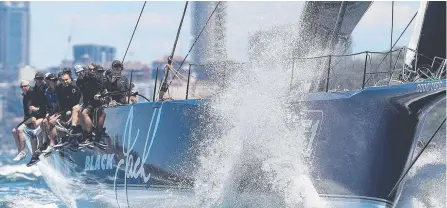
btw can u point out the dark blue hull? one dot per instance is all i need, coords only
(361, 143)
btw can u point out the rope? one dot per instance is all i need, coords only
(414, 161)
(198, 36)
(180, 69)
(175, 71)
(133, 33)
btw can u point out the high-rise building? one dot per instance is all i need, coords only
(93, 53)
(14, 37)
(211, 46)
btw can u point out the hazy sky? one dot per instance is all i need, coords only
(111, 23)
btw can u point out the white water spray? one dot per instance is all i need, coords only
(253, 151)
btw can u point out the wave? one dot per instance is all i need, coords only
(10, 172)
(30, 198)
(22, 186)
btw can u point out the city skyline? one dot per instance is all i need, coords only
(111, 23)
(87, 53)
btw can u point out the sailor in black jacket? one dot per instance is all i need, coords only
(93, 85)
(117, 82)
(68, 94)
(18, 132)
(34, 112)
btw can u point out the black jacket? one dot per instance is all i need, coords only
(90, 84)
(27, 103)
(35, 96)
(68, 96)
(117, 82)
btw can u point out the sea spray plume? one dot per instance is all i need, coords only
(66, 189)
(254, 151)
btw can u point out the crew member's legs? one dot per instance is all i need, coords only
(34, 123)
(52, 133)
(75, 115)
(42, 136)
(101, 118)
(20, 138)
(15, 134)
(100, 124)
(75, 129)
(52, 129)
(87, 124)
(87, 127)
(45, 131)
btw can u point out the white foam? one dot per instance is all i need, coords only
(256, 147)
(28, 202)
(19, 171)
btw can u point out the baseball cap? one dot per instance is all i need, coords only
(78, 68)
(51, 76)
(39, 75)
(98, 68)
(117, 63)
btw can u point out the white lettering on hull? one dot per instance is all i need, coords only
(425, 87)
(99, 162)
(135, 169)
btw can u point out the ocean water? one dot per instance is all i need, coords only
(22, 186)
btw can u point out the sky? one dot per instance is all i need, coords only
(112, 23)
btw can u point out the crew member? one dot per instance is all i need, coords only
(59, 75)
(91, 66)
(79, 71)
(119, 83)
(19, 132)
(68, 96)
(53, 113)
(91, 85)
(99, 129)
(34, 111)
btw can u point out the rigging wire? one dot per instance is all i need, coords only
(396, 41)
(416, 158)
(178, 31)
(198, 36)
(133, 33)
(164, 86)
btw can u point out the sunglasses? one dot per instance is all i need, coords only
(39, 78)
(23, 86)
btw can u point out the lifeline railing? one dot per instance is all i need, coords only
(341, 72)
